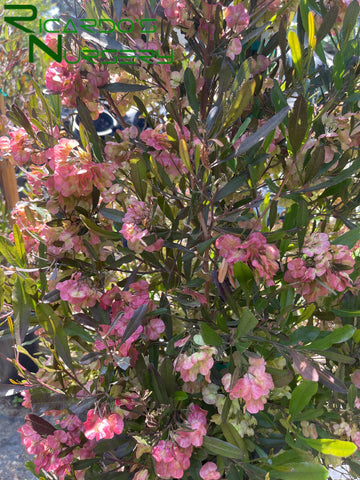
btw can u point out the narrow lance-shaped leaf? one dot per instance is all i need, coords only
(88, 122)
(184, 154)
(311, 33)
(7, 390)
(52, 296)
(295, 51)
(118, 5)
(241, 101)
(310, 371)
(190, 87)
(350, 19)
(315, 163)
(98, 230)
(138, 176)
(22, 308)
(349, 238)
(124, 87)
(327, 23)
(19, 245)
(52, 325)
(216, 446)
(338, 70)
(298, 123)
(258, 136)
(41, 426)
(158, 385)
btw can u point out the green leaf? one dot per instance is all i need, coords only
(301, 396)
(52, 325)
(98, 230)
(336, 356)
(19, 245)
(124, 87)
(328, 446)
(298, 123)
(47, 140)
(74, 329)
(350, 19)
(108, 445)
(8, 250)
(234, 473)
(351, 396)
(243, 98)
(346, 313)
(168, 377)
(209, 335)
(300, 471)
(338, 70)
(180, 396)
(339, 335)
(291, 456)
(140, 105)
(215, 446)
(260, 134)
(247, 323)
(112, 214)
(244, 276)
(315, 163)
(233, 436)
(309, 414)
(158, 386)
(89, 125)
(327, 23)
(304, 11)
(22, 306)
(201, 247)
(349, 238)
(138, 176)
(231, 187)
(281, 378)
(83, 464)
(2, 289)
(108, 475)
(354, 467)
(340, 177)
(190, 87)
(45, 104)
(54, 101)
(277, 97)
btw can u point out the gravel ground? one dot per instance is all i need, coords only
(12, 454)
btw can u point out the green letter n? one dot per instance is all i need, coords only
(57, 56)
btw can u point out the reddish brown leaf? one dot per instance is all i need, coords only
(41, 426)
